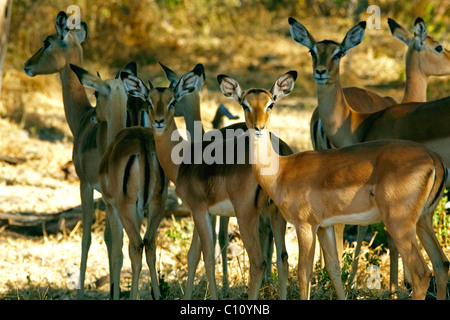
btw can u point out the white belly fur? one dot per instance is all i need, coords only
(224, 208)
(364, 218)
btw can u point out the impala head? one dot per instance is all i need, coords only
(431, 57)
(58, 50)
(162, 101)
(110, 94)
(326, 54)
(257, 103)
(137, 109)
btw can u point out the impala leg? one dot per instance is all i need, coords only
(361, 233)
(115, 251)
(393, 267)
(87, 208)
(223, 242)
(193, 260)
(204, 228)
(154, 217)
(279, 232)
(328, 241)
(339, 240)
(405, 240)
(266, 239)
(306, 235)
(135, 247)
(249, 226)
(438, 258)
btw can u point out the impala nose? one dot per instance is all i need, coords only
(321, 72)
(159, 123)
(259, 131)
(28, 71)
(260, 128)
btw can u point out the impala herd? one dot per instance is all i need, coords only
(374, 160)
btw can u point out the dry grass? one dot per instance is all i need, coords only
(32, 126)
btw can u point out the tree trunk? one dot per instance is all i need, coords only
(5, 19)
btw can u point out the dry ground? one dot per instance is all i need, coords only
(32, 126)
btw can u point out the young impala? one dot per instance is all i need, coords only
(220, 188)
(397, 182)
(133, 183)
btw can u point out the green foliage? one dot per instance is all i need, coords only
(372, 259)
(181, 232)
(321, 278)
(164, 286)
(441, 222)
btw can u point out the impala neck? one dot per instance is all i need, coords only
(190, 109)
(416, 81)
(116, 124)
(164, 146)
(334, 112)
(75, 100)
(265, 163)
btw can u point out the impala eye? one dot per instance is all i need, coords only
(439, 48)
(338, 55)
(172, 104)
(270, 106)
(149, 103)
(96, 94)
(245, 106)
(313, 54)
(46, 43)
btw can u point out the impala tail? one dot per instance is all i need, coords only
(441, 180)
(139, 179)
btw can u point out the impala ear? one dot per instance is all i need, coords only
(80, 32)
(353, 37)
(61, 25)
(230, 87)
(90, 80)
(189, 82)
(284, 85)
(131, 68)
(399, 32)
(134, 86)
(300, 34)
(200, 71)
(170, 74)
(420, 34)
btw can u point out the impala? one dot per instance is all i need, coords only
(59, 51)
(269, 220)
(425, 57)
(397, 182)
(427, 123)
(133, 183)
(217, 188)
